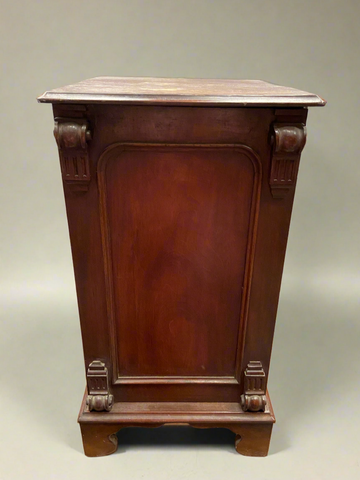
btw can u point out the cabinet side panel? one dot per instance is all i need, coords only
(178, 221)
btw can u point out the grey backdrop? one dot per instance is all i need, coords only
(312, 45)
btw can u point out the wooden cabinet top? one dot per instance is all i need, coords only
(181, 91)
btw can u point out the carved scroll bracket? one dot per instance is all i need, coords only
(288, 142)
(99, 397)
(72, 136)
(254, 399)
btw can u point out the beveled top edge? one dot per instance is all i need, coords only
(180, 91)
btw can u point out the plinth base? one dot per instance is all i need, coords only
(253, 430)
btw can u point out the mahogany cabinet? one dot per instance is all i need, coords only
(179, 195)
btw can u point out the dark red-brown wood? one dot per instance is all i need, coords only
(180, 91)
(178, 220)
(179, 197)
(253, 432)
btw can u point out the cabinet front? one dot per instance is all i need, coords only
(171, 230)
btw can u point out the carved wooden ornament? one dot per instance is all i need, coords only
(288, 142)
(99, 397)
(72, 136)
(254, 398)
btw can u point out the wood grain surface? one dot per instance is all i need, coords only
(253, 432)
(178, 222)
(187, 91)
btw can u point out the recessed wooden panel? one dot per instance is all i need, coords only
(177, 222)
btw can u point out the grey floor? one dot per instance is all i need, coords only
(314, 386)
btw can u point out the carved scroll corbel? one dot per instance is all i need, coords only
(72, 136)
(288, 142)
(99, 397)
(254, 399)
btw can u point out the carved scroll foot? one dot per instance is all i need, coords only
(99, 397)
(254, 398)
(100, 402)
(99, 440)
(253, 440)
(253, 403)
